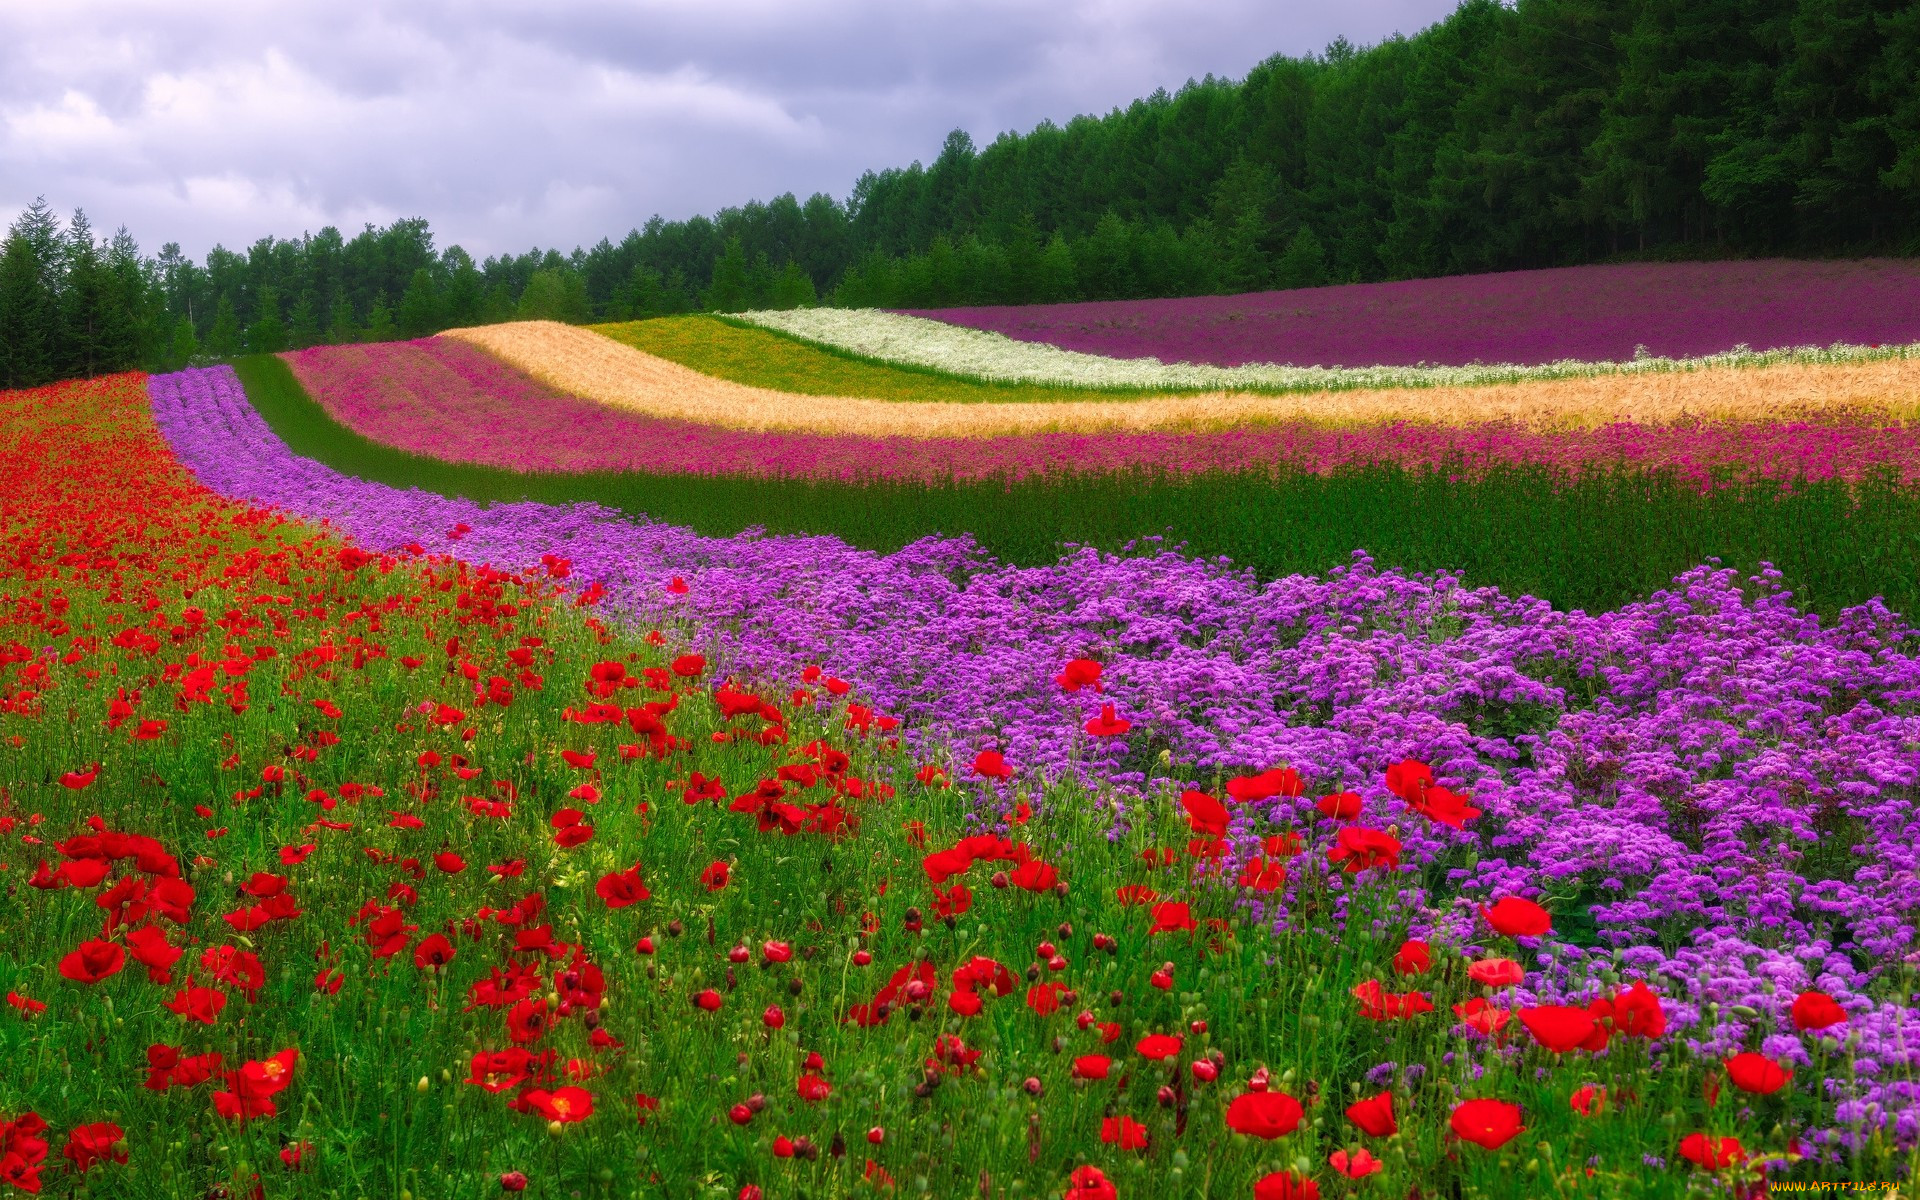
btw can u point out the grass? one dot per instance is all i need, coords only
(743, 353)
(1594, 542)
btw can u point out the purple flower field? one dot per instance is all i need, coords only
(1731, 784)
(1595, 313)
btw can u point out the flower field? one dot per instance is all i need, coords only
(567, 763)
(1594, 313)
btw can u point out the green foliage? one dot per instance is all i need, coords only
(555, 295)
(28, 317)
(421, 309)
(223, 340)
(731, 290)
(268, 333)
(1593, 543)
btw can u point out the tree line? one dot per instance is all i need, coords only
(1541, 133)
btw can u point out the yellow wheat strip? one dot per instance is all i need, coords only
(599, 369)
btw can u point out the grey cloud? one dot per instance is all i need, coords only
(510, 125)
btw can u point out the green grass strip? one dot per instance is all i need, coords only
(743, 353)
(1593, 542)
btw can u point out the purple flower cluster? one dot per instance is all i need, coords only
(449, 400)
(1593, 314)
(1729, 785)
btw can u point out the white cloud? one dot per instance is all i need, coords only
(511, 124)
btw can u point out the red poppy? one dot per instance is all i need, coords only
(1413, 958)
(1558, 1027)
(812, 1088)
(433, 952)
(1089, 1183)
(1262, 875)
(1266, 1115)
(93, 961)
(620, 889)
(1204, 813)
(1374, 1115)
(1757, 1073)
(1816, 1010)
(1710, 1153)
(1079, 673)
(707, 1000)
(89, 1144)
(1285, 1185)
(1378, 1004)
(990, 764)
(1495, 972)
(1408, 778)
(715, 876)
(1588, 1100)
(1637, 1012)
(1340, 806)
(527, 1020)
(1124, 1132)
(1092, 1066)
(1515, 917)
(1360, 848)
(1488, 1123)
(1357, 1165)
(1108, 723)
(565, 1105)
(1158, 1046)
(688, 666)
(1172, 917)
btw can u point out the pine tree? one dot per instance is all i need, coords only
(268, 333)
(82, 349)
(341, 329)
(183, 349)
(420, 307)
(558, 294)
(223, 340)
(1053, 277)
(731, 290)
(27, 315)
(380, 326)
(303, 323)
(1305, 262)
(793, 288)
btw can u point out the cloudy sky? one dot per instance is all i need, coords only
(557, 122)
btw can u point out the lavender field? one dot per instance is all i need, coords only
(1593, 313)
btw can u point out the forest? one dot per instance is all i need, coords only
(1545, 133)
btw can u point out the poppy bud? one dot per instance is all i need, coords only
(591, 1018)
(862, 957)
(675, 928)
(916, 991)
(839, 1147)
(1033, 1086)
(876, 1135)
(793, 985)
(1069, 996)
(999, 880)
(751, 1191)
(1045, 950)
(732, 983)
(1057, 963)
(1116, 998)
(1059, 1044)
(773, 1017)
(570, 980)
(1165, 1096)
(922, 1091)
(1085, 1019)
(513, 1181)
(1102, 942)
(1060, 889)
(1198, 1028)
(1204, 1071)
(757, 1102)
(645, 946)
(739, 954)
(1033, 971)
(1066, 929)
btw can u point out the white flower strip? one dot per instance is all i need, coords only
(993, 357)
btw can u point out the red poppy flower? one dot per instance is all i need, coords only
(1357, 1165)
(1089, 1183)
(990, 764)
(527, 1020)
(1285, 1185)
(620, 889)
(433, 952)
(689, 666)
(1378, 1004)
(1413, 958)
(93, 961)
(1135, 893)
(1108, 723)
(1495, 972)
(812, 1088)
(1816, 1010)
(1266, 1115)
(1488, 1123)
(1637, 1012)
(565, 1105)
(1360, 848)
(1204, 813)
(1079, 673)
(1172, 917)
(1408, 778)
(89, 1144)
(1374, 1115)
(1340, 806)
(1092, 1066)
(1757, 1073)
(1158, 1046)
(715, 876)
(1588, 1100)
(1515, 917)
(1263, 875)
(1710, 1153)
(1558, 1027)
(1124, 1132)
(707, 1000)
